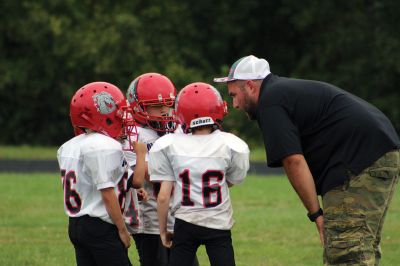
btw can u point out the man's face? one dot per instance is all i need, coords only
(241, 99)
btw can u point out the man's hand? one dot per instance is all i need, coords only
(166, 239)
(319, 222)
(300, 177)
(125, 238)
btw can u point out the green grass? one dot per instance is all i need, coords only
(28, 152)
(271, 227)
(50, 153)
(257, 154)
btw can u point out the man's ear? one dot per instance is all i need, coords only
(252, 87)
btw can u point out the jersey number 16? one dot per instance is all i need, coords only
(208, 190)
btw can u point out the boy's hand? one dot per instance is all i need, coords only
(139, 147)
(142, 194)
(166, 239)
(125, 238)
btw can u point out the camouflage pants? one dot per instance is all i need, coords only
(354, 213)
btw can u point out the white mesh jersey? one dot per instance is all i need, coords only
(147, 221)
(201, 166)
(88, 163)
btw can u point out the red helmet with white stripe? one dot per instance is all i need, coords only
(200, 104)
(152, 89)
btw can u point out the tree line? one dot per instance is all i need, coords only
(49, 49)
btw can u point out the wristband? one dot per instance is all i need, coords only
(315, 215)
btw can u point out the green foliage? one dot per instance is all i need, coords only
(51, 48)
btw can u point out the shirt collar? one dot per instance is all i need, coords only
(263, 86)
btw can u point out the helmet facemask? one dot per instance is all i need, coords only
(164, 123)
(129, 127)
(153, 89)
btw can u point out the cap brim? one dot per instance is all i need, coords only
(224, 79)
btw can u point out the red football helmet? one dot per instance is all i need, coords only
(199, 104)
(152, 89)
(101, 107)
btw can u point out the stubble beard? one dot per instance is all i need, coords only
(250, 108)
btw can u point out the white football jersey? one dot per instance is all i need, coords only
(200, 166)
(88, 163)
(146, 211)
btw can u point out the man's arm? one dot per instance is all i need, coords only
(110, 201)
(163, 199)
(300, 177)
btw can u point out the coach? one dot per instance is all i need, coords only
(330, 143)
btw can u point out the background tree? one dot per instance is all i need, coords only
(51, 48)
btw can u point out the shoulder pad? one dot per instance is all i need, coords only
(147, 135)
(162, 143)
(235, 143)
(99, 142)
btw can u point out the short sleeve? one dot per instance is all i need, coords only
(159, 165)
(238, 168)
(104, 166)
(130, 157)
(239, 158)
(281, 136)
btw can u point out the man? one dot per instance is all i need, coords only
(330, 143)
(92, 173)
(198, 167)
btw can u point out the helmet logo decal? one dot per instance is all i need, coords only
(104, 103)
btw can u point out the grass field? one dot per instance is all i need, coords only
(28, 152)
(50, 153)
(271, 227)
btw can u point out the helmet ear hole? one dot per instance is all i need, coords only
(108, 121)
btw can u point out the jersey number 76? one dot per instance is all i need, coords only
(72, 199)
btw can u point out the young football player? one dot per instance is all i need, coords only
(92, 168)
(199, 165)
(152, 98)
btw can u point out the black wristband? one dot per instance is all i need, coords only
(315, 215)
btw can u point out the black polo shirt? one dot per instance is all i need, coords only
(337, 132)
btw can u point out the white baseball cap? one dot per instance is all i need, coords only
(247, 68)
